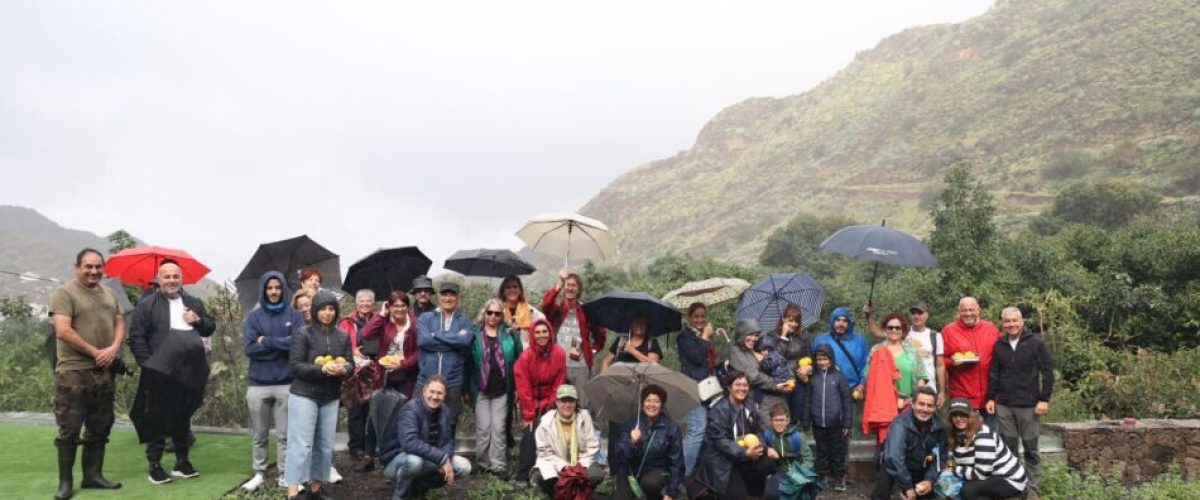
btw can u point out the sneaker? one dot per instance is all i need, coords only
(158, 475)
(281, 482)
(839, 484)
(185, 470)
(254, 483)
(334, 477)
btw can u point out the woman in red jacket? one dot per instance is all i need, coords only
(538, 373)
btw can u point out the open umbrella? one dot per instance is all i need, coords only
(290, 257)
(387, 270)
(137, 266)
(766, 300)
(613, 396)
(615, 311)
(567, 234)
(711, 292)
(488, 262)
(879, 244)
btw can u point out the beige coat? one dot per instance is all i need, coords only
(552, 452)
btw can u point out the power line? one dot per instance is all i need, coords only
(25, 276)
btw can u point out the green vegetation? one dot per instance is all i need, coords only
(1058, 482)
(1029, 97)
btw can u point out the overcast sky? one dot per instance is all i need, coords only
(214, 126)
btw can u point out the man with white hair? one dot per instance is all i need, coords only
(1020, 382)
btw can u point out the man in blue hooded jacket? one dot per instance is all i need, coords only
(849, 348)
(268, 341)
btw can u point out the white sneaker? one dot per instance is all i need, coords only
(253, 483)
(334, 477)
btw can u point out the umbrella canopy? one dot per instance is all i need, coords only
(614, 395)
(880, 244)
(290, 257)
(488, 262)
(615, 311)
(710, 291)
(137, 266)
(387, 270)
(766, 300)
(567, 235)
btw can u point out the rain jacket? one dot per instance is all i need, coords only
(666, 451)
(1013, 376)
(444, 351)
(269, 360)
(381, 327)
(720, 449)
(593, 336)
(510, 345)
(350, 325)
(970, 380)
(855, 344)
(411, 431)
(316, 340)
(538, 373)
(694, 355)
(910, 453)
(552, 451)
(743, 360)
(829, 403)
(879, 400)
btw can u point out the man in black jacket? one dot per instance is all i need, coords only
(914, 452)
(1015, 395)
(165, 339)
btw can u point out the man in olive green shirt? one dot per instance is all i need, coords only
(90, 327)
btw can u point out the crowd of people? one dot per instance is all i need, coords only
(403, 373)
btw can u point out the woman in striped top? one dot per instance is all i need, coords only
(980, 458)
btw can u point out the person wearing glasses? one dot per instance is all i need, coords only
(893, 373)
(491, 384)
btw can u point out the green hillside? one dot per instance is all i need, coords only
(1032, 94)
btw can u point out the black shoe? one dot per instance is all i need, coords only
(158, 475)
(93, 464)
(318, 495)
(184, 470)
(365, 467)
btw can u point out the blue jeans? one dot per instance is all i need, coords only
(405, 468)
(311, 426)
(695, 437)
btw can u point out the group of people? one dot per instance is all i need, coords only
(523, 369)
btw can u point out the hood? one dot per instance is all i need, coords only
(262, 288)
(828, 350)
(540, 350)
(323, 298)
(739, 339)
(839, 312)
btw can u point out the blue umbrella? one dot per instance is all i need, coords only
(879, 244)
(615, 311)
(766, 300)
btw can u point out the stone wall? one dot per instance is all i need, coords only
(1133, 450)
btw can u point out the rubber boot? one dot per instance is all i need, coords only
(93, 464)
(66, 464)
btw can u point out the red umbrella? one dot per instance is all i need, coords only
(137, 266)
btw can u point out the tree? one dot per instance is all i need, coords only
(964, 233)
(16, 307)
(1108, 203)
(120, 240)
(796, 245)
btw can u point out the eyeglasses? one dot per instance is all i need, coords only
(893, 328)
(494, 313)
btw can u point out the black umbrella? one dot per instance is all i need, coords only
(387, 270)
(615, 311)
(290, 257)
(489, 263)
(879, 244)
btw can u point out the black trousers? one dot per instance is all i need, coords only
(180, 442)
(362, 436)
(992, 487)
(526, 455)
(832, 446)
(652, 481)
(884, 484)
(749, 478)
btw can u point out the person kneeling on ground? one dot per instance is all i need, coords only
(566, 438)
(421, 446)
(912, 455)
(981, 459)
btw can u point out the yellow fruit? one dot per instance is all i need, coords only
(969, 354)
(742, 443)
(750, 441)
(790, 384)
(857, 395)
(339, 360)
(805, 361)
(957, 355)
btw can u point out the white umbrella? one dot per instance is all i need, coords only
(568, 234)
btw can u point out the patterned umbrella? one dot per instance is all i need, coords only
(711, 292)
(765, 301)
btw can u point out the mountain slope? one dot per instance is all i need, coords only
(1032, 94)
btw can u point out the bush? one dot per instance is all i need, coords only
(1059, 482)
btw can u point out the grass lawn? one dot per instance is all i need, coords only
(29, 462)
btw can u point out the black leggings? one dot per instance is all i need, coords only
(992, 487)
(749, 478)
(652, 481)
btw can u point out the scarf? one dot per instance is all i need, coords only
(572, 441)
(493, 352)
(522, 318)
(274, 308)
